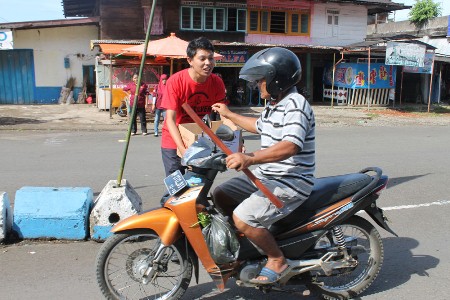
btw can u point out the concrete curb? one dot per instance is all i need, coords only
(6, 216)
(49, 212)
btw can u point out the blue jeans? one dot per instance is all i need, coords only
(158, 113)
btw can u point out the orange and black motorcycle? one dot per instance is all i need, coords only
(331, 250)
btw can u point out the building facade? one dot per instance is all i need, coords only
(314, 30)
(46, 56)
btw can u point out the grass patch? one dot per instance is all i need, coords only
(438, 109)
(435, 109)
(372, 116)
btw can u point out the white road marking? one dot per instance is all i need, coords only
(55, 141)
(441, 202)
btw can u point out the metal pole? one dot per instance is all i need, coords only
(368, 83)
(431, 84)
(110, 85)
(401, 89)
(332, 81)
(136, 94)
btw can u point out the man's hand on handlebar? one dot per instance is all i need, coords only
(239, 161)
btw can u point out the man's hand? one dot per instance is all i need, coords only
(222, 109)
(239, 161)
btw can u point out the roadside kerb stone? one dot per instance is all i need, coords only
(6, 216)
(111, 206)
(50, 212)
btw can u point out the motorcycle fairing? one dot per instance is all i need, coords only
(185, 208)
(320, 220)
(163, 221)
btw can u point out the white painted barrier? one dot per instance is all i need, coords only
(111, 206)
(6, 216)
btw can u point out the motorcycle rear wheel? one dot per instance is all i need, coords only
(123, 259)
(346, 284)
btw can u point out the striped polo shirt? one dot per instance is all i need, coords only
(291, 119)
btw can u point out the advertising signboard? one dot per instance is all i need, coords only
(354, 76)
(448, 30)
(6, 39)
(427, 68)
(232, 58)
(404, 54)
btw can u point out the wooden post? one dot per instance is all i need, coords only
(274, 199)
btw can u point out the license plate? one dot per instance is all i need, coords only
(175, 183)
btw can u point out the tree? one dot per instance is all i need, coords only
(423, 11)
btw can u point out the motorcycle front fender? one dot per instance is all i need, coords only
(161, 220)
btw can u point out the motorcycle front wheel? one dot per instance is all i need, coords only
(364, 244)
(124, 258)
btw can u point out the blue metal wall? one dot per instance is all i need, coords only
(17, 76)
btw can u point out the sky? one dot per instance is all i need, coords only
(36, 10)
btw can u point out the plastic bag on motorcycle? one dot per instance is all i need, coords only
(221, 240)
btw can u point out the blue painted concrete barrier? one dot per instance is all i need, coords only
(49, 212)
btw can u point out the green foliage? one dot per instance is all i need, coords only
(423, 11)
(203, 219)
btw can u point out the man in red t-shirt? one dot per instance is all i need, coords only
(199, 88)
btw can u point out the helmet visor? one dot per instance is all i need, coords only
(256, 68)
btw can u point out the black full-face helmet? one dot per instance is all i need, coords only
(279, 66)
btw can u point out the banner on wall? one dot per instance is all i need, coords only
(448, 30)
(232, 58)
(354, 76)
(427, 65)
(404, 54)
(6, 39)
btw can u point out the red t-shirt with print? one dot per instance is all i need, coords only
(180, 88)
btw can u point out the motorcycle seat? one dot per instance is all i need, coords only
(327, 190)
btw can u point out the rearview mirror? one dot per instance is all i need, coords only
(207, 120)
(225, 133)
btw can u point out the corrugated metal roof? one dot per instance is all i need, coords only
(263, 45)
(374, 6)
(380, 44)
(80, 8)
(50, 23)
(120, 43)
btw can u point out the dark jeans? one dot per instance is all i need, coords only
(141, 112)
(171, 161)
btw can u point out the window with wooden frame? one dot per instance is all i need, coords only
(214, 19)
(298, 23)
(191, 18)
(279, 22)
(241, 20)
(236, 19)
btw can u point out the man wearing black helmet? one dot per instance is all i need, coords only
(286, 159)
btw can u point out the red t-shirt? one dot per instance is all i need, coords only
(143, 92)
(180, 88)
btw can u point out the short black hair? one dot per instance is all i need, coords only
(199, 43)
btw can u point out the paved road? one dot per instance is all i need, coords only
(416, 159)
